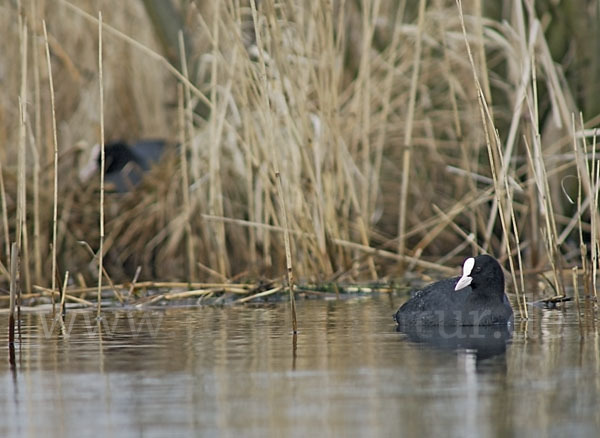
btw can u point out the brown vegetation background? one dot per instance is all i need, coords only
(397, 147)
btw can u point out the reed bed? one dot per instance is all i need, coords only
(158, 293)
(353, 141)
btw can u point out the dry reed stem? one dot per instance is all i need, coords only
(55, 162)
(595, 232)
(242, 292)
(4, 217)
(37, 256)
(593, 176)
(385, 113)
(519, 288)
(446, 219)
(364, 99)
(576, 293)
(37, 142)
(407, 152)
(187, 127)
(265, 294)
(138, 271)
(321, 96)
(487, 122)
(582, 245)
(63, 294)
(102, 166)
(216, 124)
(188, 121)
(111, 285)
(141, 47)
(211, 272)
(21, 227)
(551, 231)
(535, 212)
(288, 253)
(343, 243)
(14, 286)
(267, 106)
(45, 292)
(185, 184)
(235, 288)
(517, 109)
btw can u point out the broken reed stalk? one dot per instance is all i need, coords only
(63, 294)
(102, 163)
(55, 162)
(138, 271)
(110, 282)
(406, 154)
(288, 252)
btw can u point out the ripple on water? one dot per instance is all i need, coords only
(237, 370)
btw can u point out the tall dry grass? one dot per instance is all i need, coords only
(406, 136)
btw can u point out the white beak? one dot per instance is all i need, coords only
(466, 278)
(463, 282)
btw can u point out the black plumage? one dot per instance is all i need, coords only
(481, 301)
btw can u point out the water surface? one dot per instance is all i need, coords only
(237, 371)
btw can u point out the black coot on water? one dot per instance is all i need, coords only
(476, 298)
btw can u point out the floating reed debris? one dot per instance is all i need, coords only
(149, 293)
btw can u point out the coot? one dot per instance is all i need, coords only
(475, 298)
(124, 165)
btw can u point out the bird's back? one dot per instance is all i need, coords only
(440, 304)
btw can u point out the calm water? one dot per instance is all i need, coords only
(235, 371)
